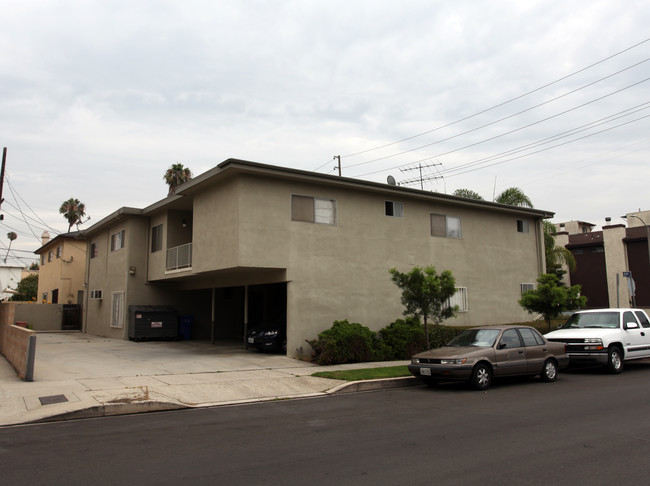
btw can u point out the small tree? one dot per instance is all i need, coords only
(514, 196)
(550, 298)
(26, 289)
(468, 194)
(426, 294)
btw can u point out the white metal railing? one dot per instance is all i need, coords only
(179, 257)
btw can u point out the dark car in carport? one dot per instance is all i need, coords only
(268, 337)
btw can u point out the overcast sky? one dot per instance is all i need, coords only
(99, 98)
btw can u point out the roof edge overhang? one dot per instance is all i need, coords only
(232, 166)
(114, 217)
(75, 235)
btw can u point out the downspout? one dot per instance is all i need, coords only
(212, 323)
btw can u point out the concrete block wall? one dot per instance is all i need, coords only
(17, 344)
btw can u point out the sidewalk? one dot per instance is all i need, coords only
(77, 375)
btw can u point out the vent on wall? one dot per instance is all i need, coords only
(96, 294)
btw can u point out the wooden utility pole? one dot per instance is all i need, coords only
(338, 157)
(2, 178)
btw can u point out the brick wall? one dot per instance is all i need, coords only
(17, 344)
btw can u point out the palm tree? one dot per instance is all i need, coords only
(514, 196)
(12, 236)
(556, 255)
(73, 210)
(468, 194)
(175, 176)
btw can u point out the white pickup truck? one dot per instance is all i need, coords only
(605, 336)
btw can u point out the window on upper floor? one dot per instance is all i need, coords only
(117, 241)
(446, 226)
(394, 209)
(42, 259)
(50, 256)
(522, 226)
(156, 238)
(59, 251)
(94, 251)
(313, 209)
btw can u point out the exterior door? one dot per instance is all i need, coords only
(510, 354)
(637, 341)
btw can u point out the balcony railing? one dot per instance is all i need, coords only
(179, 257)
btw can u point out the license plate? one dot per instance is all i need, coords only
(425, 371)
(251, 340)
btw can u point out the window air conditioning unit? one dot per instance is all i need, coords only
(96, 294)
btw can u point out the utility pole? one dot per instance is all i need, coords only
(339, 165)
(2, 178)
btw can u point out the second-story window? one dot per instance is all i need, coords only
(156, 238)
(59, 251)
(394, 209)
(117, 241)
(446, 226)
(522, 226)
(94, 251)
(313, 209)
(50, 256)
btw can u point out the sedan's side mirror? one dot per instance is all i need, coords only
(631, 325)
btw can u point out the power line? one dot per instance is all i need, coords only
(502, 103)
(512, 116)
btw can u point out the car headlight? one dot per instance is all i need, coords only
(415, 361)
(594, 341)
(453, 361)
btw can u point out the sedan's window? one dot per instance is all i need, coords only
(593, 320)
(642, 318)
(475, 337)
(529, 337)
(510, 338)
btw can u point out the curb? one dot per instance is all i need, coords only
(109, 410)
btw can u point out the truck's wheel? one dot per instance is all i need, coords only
(615, 360)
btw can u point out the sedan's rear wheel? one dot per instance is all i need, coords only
(481, 377)
(549, 371)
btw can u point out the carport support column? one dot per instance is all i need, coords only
(245, 313)
(212, 322)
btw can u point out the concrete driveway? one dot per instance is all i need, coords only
(79, 375)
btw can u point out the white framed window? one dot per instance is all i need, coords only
(525, 287)
(59, 251)
(522, 226)
(459, 299)
(313, 209)
(394, 208)
(96, 294)
(446, 226)
(117, 310)
(117, 241)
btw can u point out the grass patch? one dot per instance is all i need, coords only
(365, 373)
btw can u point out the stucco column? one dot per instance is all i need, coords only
(616, 264)
(562, 239)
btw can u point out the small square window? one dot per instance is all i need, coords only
(525, 287)
(394, 209)
(522, 226)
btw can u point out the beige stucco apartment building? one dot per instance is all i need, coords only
(61, 269)
(247, 243)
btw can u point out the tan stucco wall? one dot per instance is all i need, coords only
(341, 271)
(65, 273)
(40, 317)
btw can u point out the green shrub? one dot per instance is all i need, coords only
(404, 337)
(348, 342)
(441, 335)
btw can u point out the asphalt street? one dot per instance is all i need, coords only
(587, 428)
